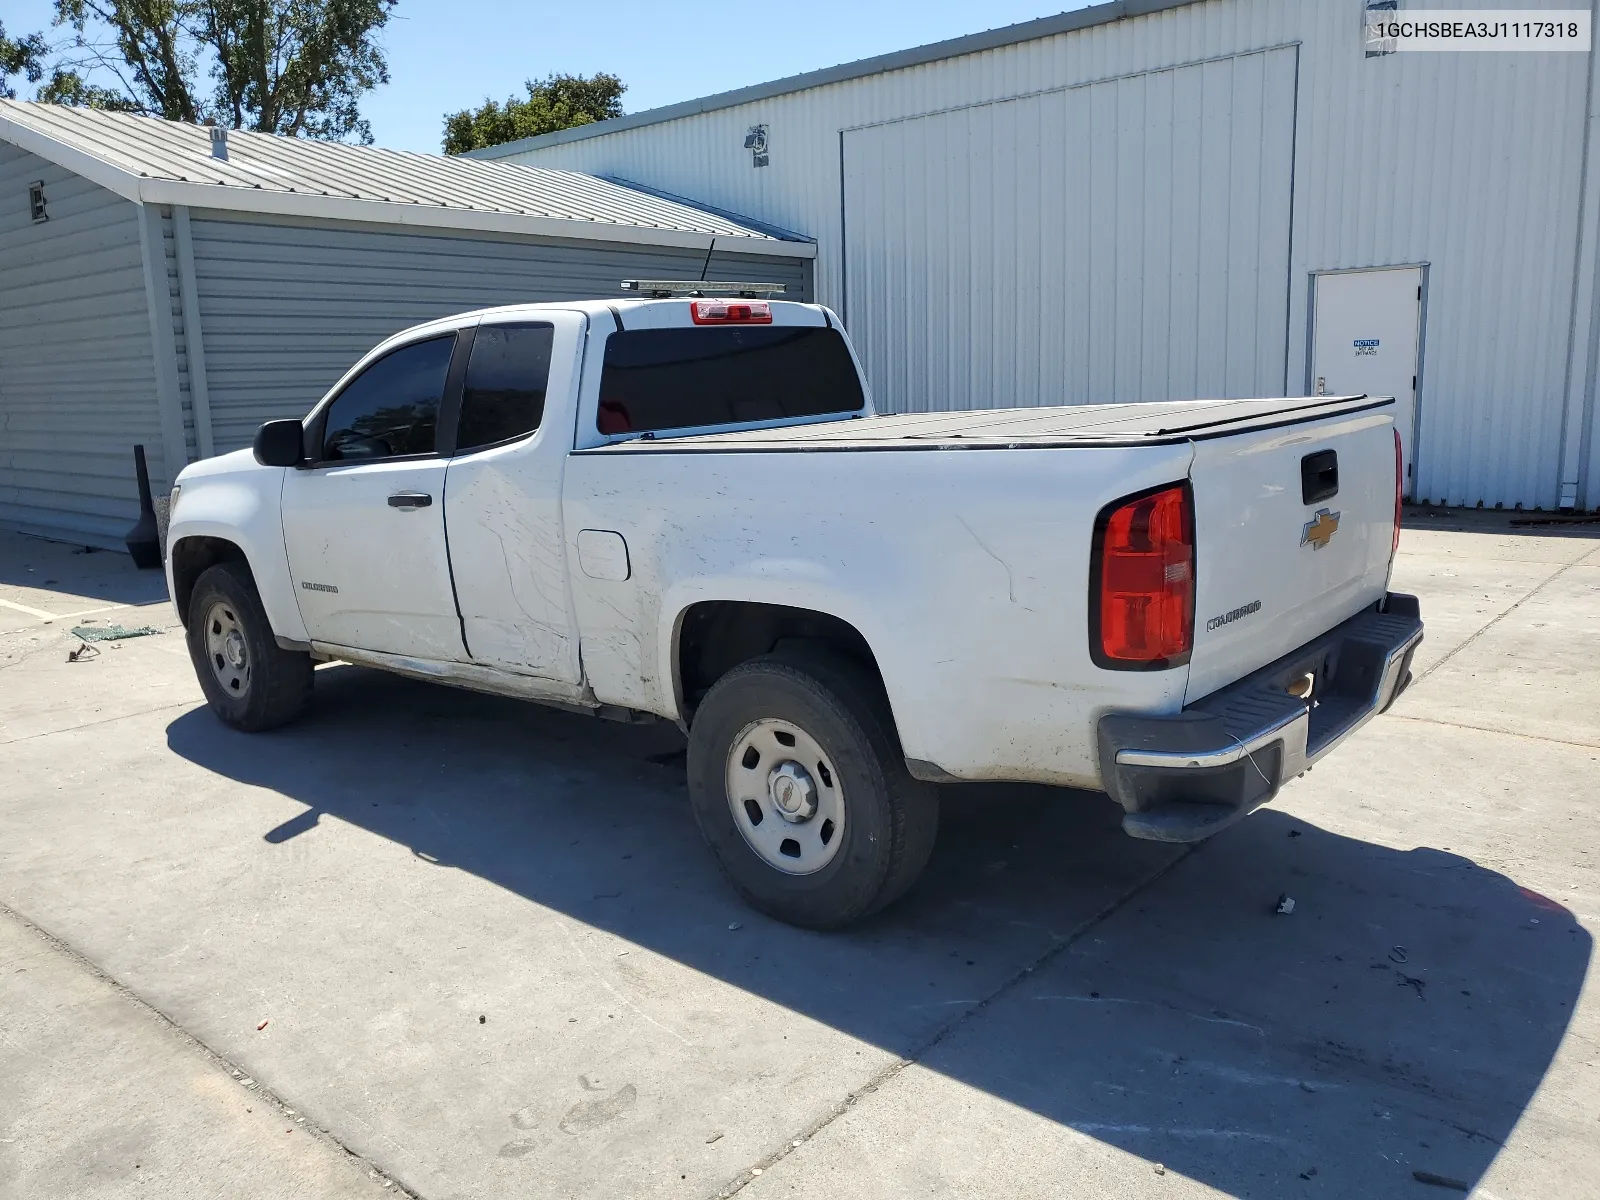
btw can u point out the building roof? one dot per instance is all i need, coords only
(152, 161)
(1006, 35)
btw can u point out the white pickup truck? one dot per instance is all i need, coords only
(687, 509)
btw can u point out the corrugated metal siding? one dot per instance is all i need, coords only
(1119, 241)
(1466, 162)
(77, 382)
(794, 273)
(286, 307)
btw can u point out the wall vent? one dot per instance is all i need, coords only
(36, 202)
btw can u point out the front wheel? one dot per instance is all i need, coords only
(800, 788)
(250, 681)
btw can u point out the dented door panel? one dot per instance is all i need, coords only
(504, 523)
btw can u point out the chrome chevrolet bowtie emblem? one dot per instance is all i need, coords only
(1320, 529)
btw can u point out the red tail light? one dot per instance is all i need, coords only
(730, 312)
(1399, 490)
(1142, 585)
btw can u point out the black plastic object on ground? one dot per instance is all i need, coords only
(144, 540)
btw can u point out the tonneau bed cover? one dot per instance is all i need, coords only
(1072, 425)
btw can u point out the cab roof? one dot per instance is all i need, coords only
(784, 312)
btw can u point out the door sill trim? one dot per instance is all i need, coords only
(471, 676)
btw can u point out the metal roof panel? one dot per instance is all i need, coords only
(146, 148)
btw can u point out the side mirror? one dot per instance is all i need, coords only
(280, 444)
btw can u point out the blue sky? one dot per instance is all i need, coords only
(447, 56)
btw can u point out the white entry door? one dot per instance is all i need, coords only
(1367, 328)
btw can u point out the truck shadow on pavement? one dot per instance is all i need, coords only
(1399, 1020)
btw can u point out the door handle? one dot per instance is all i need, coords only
(410, 500)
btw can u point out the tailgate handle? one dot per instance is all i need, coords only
(1319, 476)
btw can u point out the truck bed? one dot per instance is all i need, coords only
(1074, 425)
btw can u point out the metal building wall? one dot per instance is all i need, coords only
(974, 260)
(285, 306)
(1467, 163)
(78, 381)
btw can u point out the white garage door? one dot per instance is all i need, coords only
(1123, 240)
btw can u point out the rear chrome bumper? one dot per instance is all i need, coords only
(1183, 777)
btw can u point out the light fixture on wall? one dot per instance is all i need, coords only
(755, 141)
(1377, 44)
(36, 202)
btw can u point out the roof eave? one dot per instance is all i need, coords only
(80, 162)
(972, 43)
(430, 216)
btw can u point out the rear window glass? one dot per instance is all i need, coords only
(679, 378)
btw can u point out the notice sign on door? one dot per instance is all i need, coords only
(1366, 346)
(1392, 30)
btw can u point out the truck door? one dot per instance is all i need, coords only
(503, 494)
(363, 522)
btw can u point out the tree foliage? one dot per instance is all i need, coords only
(296, 67)
(20, 56)
(554, 102)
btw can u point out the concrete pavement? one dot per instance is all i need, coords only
(494, 959)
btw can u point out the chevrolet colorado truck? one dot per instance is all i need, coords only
(686, 508)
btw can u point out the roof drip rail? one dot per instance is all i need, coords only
(665, 289)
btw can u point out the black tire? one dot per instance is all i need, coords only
(277, 685)
(891, 819)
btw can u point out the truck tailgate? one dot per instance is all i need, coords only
(1294, 531)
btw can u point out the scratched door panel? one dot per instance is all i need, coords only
(503, 510)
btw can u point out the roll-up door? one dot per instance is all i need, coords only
(1120, 240)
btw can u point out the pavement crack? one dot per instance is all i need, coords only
(237, 1073)
(143, 712)
(1511, 733)
(893, 1070)
(1537, 588)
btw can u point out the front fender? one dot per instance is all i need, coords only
(244, 509)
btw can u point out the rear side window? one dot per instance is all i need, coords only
(680, 378)
(506, 379)
(392, 408)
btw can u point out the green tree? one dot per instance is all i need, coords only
(68, 87)
(554, 102)
(20, 56)
(296, 67)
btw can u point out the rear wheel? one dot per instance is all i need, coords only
(800, 788)
(249, 681)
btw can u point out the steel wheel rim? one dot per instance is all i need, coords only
(226, 650)
(785, 796)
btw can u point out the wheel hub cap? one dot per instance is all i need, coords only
(793, 793)
(226, 650)
(785, 796)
